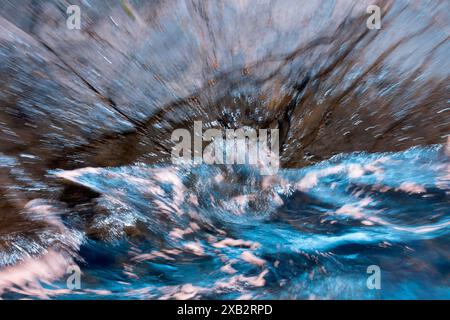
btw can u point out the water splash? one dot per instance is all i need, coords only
(143, 69)
(228, 232)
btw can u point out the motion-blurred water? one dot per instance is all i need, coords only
(228, 232)
(86, 179)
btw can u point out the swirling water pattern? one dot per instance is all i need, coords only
(228, 232)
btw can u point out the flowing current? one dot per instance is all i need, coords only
(92, 207)
(229, 232)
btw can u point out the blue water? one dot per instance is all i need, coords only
(306, 233)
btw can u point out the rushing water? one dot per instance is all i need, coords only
(86, 181)
(229, 232)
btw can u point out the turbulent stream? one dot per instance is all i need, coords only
(86, 181)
